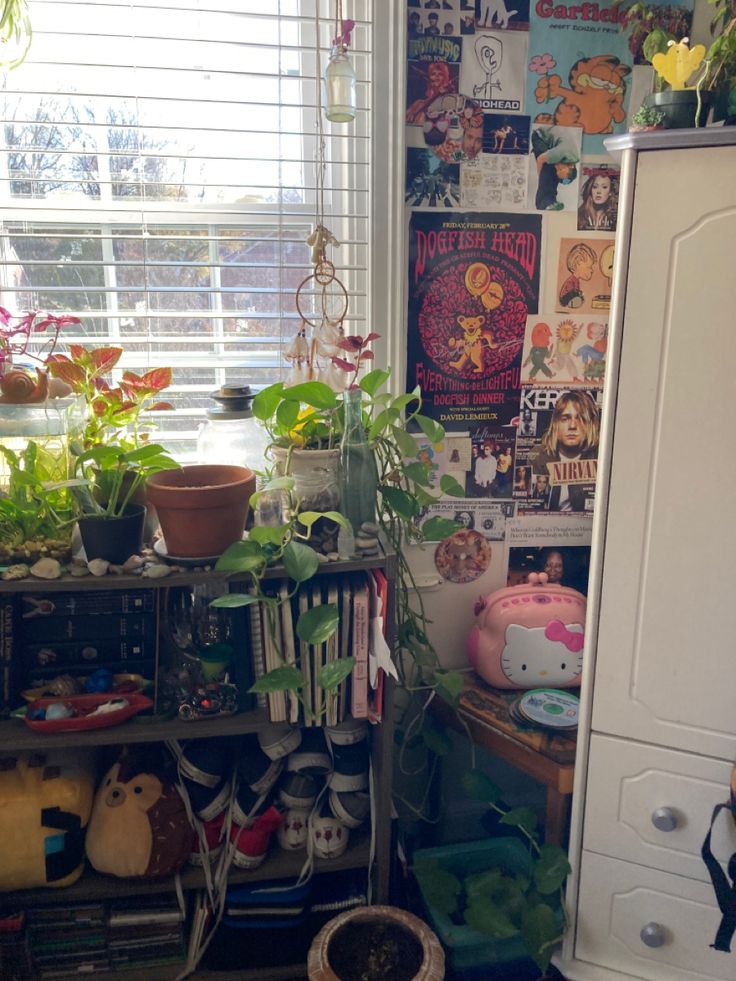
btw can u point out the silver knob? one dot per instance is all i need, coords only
(664, 819)
(653, 935)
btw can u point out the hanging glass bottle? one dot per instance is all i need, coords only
(359, 477)
(340, 87)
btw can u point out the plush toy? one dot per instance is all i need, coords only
(139, 826)
(529, 636)
(45, 804)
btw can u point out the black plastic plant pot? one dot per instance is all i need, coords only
(681, 108)
(114, 539)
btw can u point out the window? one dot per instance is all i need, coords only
(158, 181)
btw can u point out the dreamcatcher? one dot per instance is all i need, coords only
(321, 298)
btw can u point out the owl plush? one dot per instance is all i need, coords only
(139, 826)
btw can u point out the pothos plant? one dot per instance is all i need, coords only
(497, 902)
(311, 415)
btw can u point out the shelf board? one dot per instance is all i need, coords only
(168, 972)
(279, 864)
(16, 735)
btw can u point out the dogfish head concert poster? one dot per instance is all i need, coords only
(473, 280)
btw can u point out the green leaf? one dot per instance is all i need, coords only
(279, 483)
(308, 518)
(436, 740)
(424, 499)
(401, 401)
(480, 787)
(242, 557)
(449, 486)
(316, 394)
(540, 928)
(520, 817)
(434, 432)
(449, 686)
(332, 675)
(317, 624)
(265, 402)
(287, 415)
(418, 473)
(300, 561)
(233, 600)
(379, 424)
(287, 678)
(437, 529)
(371, 382)
(400, 502)
(266, 535)
(484, 915)
(406, 443)
(551, 869)
(439, 887)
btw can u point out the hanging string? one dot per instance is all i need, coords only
(320, 162)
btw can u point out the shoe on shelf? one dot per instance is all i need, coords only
(328, 834)
(213, 837)
(312, 757)
(297, 790)
(255, 768)
(207, 802)
(206, 761)
(293, 832)
(351, 808)
(251, 842)
(279, 739)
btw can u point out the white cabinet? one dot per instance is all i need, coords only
(657, 738)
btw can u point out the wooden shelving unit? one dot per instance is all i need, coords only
(16, 736)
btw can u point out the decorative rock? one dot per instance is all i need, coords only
(132, 564)
(116, 570)
(79, 562)
(333, 556)
(46, 569)
(369, 528)
(322, 558)
(157, 571)
(98, 567)
(364, 542)
(79, 570)
(19, 571)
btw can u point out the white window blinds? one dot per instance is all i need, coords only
(158, 181)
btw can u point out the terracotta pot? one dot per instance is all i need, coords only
(202, 509)
(394, 944)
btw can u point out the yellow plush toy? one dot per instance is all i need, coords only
(45, 804)
(679, 63)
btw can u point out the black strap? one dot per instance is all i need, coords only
(725, 891)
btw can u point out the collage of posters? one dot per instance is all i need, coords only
(511, 212)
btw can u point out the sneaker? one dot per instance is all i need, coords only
(347, 732)
(293, 832)
(279, 739)
(312, 757)
(351, 808)
(206, 761)
(297, 790)
(328, 834)
(213, 837)
(251, 843)
(349, 767)
(207, 802)
(245, 805)
(255, 768)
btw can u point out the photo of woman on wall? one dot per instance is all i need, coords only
(598, 200)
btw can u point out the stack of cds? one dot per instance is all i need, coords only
(548, 708)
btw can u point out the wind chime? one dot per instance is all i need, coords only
(321, 298)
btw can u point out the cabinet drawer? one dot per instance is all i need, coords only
(618, 900)
(631, 786)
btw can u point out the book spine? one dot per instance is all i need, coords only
(97, 602)
(8, 656)
(90, 653)
(257, 652)
(359, 700)
(89, 627)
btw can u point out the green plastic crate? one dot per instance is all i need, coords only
(464, 946)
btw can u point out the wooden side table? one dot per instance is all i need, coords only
(545, 756)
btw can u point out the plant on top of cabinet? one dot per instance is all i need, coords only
(687, 81)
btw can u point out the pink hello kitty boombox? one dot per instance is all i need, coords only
(529, 636)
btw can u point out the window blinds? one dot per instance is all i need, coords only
(158, 181)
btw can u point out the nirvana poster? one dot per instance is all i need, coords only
(473, 278)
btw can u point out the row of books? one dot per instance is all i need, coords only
(43, 635)
(359, 599)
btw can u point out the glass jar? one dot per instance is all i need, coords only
(340, 87)
(231, 433)
(359, 477)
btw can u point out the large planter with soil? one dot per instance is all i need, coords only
(202, 509)
(114, 539)
(375, 943)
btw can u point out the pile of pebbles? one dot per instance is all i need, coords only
(147, 565)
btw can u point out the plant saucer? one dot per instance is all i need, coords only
(159, 547)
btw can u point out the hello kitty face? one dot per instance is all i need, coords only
(549, 656)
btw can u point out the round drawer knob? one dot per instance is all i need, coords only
(664, 819)
(652, 935)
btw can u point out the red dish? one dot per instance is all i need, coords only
(84, 705)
